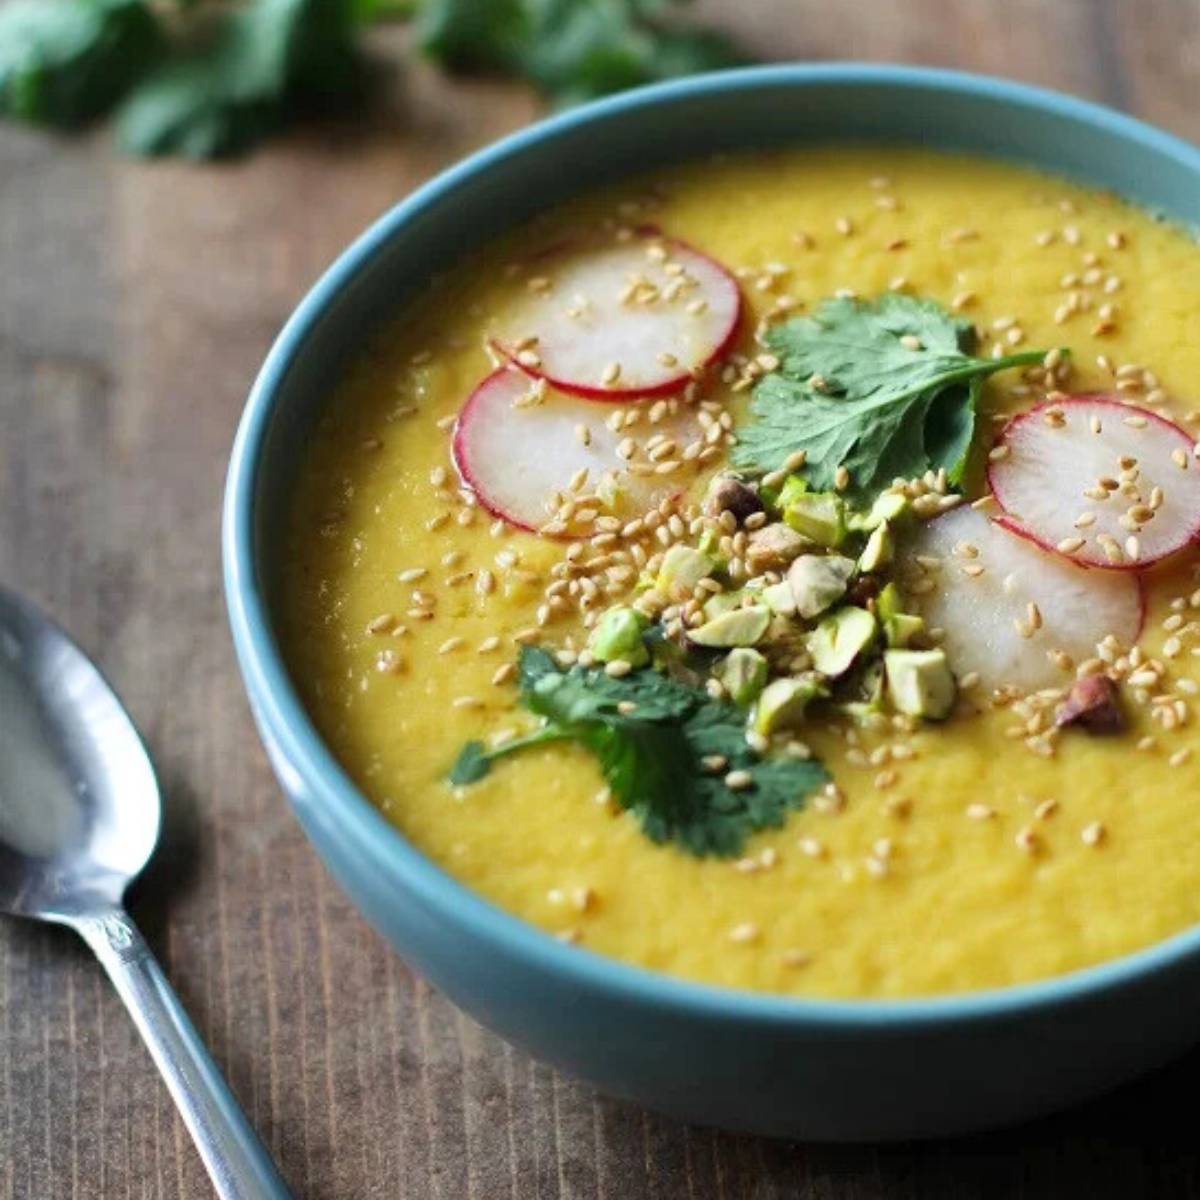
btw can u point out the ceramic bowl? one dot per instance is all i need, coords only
(803, 1068)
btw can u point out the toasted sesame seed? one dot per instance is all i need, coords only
(911, 342)
(504, 673)
(744, 932)
(618, 668)
(841, 478)
(980, 812)
(1180, 757)
(1179, 458)
(1092, 834)
(738, 781)
(998, 452)
(1027, 840)
(388, 662)
(467, 702)
(450, 644)
(384, 623)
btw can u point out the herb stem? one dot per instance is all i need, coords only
(547, 733)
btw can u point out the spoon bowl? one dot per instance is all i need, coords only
(79, 803)
(79, 818)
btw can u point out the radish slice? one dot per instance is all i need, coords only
(1102, 482)
(516, 443)
(636, 318)
(986, 614)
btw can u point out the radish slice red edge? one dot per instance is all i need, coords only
(586, 334)
(985, 615)
(516, 443)
(1060, 457)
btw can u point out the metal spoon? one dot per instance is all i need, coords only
(79, 818)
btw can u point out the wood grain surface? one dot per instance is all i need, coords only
(136, 302)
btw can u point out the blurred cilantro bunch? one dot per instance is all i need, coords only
(208, 78)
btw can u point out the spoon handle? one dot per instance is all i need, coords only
(237, 1162)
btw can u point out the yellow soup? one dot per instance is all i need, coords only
(952, 856)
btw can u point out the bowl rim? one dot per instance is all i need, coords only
(286, 726)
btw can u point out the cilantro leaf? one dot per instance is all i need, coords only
(465, 35)
(61, 64)
(852, 393)
(652, 755)
(571, 50)
(232, 85)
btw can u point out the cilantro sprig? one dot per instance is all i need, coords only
(887, 388)
(651, 735)
(205, 78)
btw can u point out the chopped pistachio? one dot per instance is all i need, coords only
(618, 635)
(818, 581)
(839, 639)
(879, 549)
(682, 568)
(743, 673)
(919, 682)
(818, 516)
(783, 702)
(739, 627)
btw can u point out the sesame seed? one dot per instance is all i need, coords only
(980, 812)
(1092, 834)
(738, 781)
(911, 342)
(610, 375)
(618, 668)
(583, 434)
(450, 645)
(996, 453)
(1069, 545)
(1179, 458)
(744, 932)
(1027, 840)
(1180, 757)
(504, 673)
(467, 702)
(388, 662)
(841, 478)
(384, 623)
(412, 574)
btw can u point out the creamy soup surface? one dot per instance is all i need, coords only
(953, 856)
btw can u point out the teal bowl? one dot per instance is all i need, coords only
(814, 1069)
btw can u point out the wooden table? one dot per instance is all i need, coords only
(136, 302)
